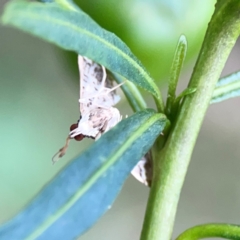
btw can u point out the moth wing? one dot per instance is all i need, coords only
(95, 86)
(91, 75)
(113, 97)
(143, 170)
(114, 118)
(96, 122)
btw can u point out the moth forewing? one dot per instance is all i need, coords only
(97, 98)
(97, 115)
(143, 170)
(96, 87)
(115, 118)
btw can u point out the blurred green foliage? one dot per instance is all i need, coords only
(39, 97)
(151, 28)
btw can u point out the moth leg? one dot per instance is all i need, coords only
(115, 87)
(104, 77)
(108, 90)
(102, 130)
(105, 127)
(61, 151)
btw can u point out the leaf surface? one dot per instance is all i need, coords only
(74, 30)
(82, 192)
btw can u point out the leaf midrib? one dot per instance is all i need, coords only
(111, 46)
(87, 185)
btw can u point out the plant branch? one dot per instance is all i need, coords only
(227, 231)
(170, 165)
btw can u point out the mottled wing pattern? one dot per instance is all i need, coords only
(96, 121)
(97, 98)
(143, 171)
(96, 87)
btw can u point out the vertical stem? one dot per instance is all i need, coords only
(170, 165)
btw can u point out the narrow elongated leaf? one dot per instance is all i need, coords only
(86, 188)
(76, 31)
(227, 87)
(179, 56)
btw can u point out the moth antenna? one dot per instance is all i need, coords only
(117, 86)
(61, 151)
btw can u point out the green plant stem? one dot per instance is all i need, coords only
(213, 230)
(170, 165)
(159, 103)
(140, 102)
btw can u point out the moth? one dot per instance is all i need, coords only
(97, 115)
(97, 98)
(143, 171)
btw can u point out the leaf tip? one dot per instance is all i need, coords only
(183, 39)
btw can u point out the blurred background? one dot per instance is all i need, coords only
(39, 91)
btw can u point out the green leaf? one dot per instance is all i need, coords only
(228, 231)
(179, 56)
(87, 187)
(227, 87)
(171, 164)
(76, 31)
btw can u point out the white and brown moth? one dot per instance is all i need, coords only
(97, 115)
(143, 171)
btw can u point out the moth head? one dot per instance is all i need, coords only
(77, 137)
